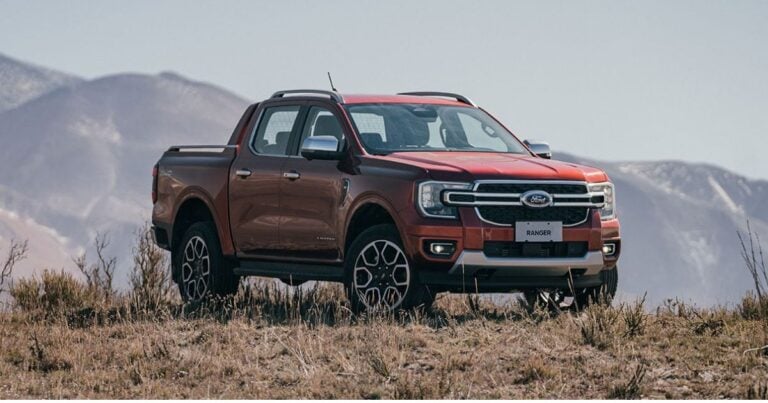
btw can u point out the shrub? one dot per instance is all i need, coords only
(17, 251)
(632, 388)
(100, 274)
(149, 278)
(598, 325)
(53, 293)
(752, 254)
(634, 318)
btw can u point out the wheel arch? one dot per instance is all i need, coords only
(194, 207)
(367, 212)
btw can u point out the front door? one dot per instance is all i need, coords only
(312, 193)
(255, 179)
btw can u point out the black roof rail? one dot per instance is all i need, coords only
(333, 94)
(460, 98)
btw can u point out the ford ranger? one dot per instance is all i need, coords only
(399, 197)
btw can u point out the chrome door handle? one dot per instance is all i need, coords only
(293, 175)
(243, 173)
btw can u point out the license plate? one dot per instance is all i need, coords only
(538, 231)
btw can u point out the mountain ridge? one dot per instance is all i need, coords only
(85, 169)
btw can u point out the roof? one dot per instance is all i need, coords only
(351, 99)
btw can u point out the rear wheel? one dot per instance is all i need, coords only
(202, 270)
(379, 277)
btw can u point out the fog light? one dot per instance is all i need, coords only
(442, 248)
(609, 249)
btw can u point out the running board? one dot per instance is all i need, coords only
(295, 271)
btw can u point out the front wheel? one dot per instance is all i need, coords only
(379, 277)
(202, 270)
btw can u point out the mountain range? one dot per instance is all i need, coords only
(77, 155)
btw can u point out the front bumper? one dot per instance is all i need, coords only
(471, 263)
(470, 269)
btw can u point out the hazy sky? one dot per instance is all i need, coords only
(607, 80)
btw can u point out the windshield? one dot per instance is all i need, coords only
(387, 128)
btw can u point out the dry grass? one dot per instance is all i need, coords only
(65, 338)
(270, 342)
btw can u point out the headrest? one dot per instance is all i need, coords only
(327, 126)
(372, 140)
(417, 133)
(282, 138)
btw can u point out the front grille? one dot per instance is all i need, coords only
(500, 202)
(535, 249)
(522, 187)
(508, 215)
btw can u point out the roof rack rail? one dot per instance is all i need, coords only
(333, 94)
(460, 98)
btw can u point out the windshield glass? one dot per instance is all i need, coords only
(387, 128)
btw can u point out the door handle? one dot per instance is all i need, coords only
(243, 173)
(293, 175)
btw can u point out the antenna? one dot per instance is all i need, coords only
(331, 80)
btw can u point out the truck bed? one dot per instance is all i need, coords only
(201, 172)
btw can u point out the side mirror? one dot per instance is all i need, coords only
(539, 148)
(321, 148)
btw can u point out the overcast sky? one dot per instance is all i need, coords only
(608, 80)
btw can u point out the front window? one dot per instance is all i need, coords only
(387, 128)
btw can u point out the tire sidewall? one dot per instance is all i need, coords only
(383, 232)
(221, 281)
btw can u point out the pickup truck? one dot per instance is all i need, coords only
(398, 197)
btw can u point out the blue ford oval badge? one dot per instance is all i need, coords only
(536, 199)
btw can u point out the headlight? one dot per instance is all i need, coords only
(609, 209)
(430, 201)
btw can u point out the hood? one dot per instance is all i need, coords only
(468, 166)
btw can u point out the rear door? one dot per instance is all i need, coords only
(311, 197)
(255, 178)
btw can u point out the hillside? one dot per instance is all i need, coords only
(77, 160)
(679, 223)
(21, 82)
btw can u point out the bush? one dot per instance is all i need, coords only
(752, 253)
(598, 325)
(53, 293)
(150, 276)
(17, 251)
(100, 274)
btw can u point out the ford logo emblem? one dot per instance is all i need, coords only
(536, 199)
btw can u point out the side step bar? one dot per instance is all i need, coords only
(296, 271)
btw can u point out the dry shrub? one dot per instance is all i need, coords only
(752, 254)
(675, 308)
(99, 275)
(597, 325)
(634, 318)
(150, 276)
(17, 251)
(631, 389)
(752, 307)
(52, 293)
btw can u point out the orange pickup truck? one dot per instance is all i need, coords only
(399, 197)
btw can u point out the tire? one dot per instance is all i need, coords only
(556, 299)
(603, 293)
(378, 275)
(202, 270)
